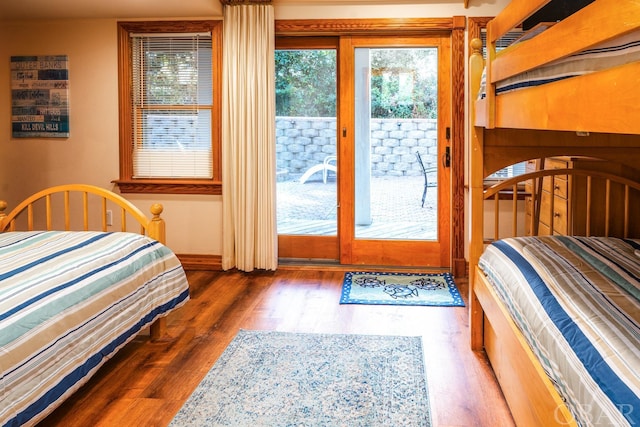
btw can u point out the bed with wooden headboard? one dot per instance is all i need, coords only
(70, 297)
(585, 116)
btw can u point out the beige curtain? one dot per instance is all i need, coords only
(248, 139)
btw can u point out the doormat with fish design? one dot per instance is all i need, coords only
(378, 288)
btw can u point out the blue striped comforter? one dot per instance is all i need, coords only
(68, 302)
(577, 302)
(622, 50)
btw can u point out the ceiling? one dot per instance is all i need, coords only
(15, 10)
(131, 9)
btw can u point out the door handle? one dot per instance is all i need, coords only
(446, 158)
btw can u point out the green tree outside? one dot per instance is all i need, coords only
(403, 83)
(305, 83)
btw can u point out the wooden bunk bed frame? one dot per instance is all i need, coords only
(593, 115)
(94, 203)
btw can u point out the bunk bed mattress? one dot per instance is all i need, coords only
(576, 302)
(620, 51)
(68, 302)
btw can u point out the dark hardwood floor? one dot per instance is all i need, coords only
(146, 383)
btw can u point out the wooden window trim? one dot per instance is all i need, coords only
(127, 183)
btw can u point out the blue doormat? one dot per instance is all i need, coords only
(436, 289)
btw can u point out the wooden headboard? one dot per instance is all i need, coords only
(81, 207)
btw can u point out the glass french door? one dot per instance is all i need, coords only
(306, 147)
(367, 182)
(393, 145)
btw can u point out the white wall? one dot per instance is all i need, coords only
(90, 154)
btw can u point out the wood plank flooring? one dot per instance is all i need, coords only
(146, 383)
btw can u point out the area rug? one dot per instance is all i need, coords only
(292, 379)
(361, 287)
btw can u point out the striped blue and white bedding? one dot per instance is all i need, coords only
(68, 302)
(577, 302)
(622, 50)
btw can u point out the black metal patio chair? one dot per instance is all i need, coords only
(425, 171)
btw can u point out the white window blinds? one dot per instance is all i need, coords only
(172, 104)
(505, 41)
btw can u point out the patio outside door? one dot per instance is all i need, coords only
(350, 184)
(306, 147)
(399, 92)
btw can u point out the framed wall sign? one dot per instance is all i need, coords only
(40, 96)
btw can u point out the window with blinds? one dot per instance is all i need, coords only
(172, 99)
(505, 41)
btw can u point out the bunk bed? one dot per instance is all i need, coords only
(70, 297)
(591, 113)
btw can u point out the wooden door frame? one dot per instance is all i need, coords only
(455, 26)
(406, 252)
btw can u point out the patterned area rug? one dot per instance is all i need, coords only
(360, 287)
(289, 379)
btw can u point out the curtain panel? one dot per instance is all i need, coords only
(248, 138)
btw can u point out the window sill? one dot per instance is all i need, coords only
(159, 186)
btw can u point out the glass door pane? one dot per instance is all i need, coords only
(396, 143)
(306, 153)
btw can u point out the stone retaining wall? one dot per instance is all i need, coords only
(302, 142)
